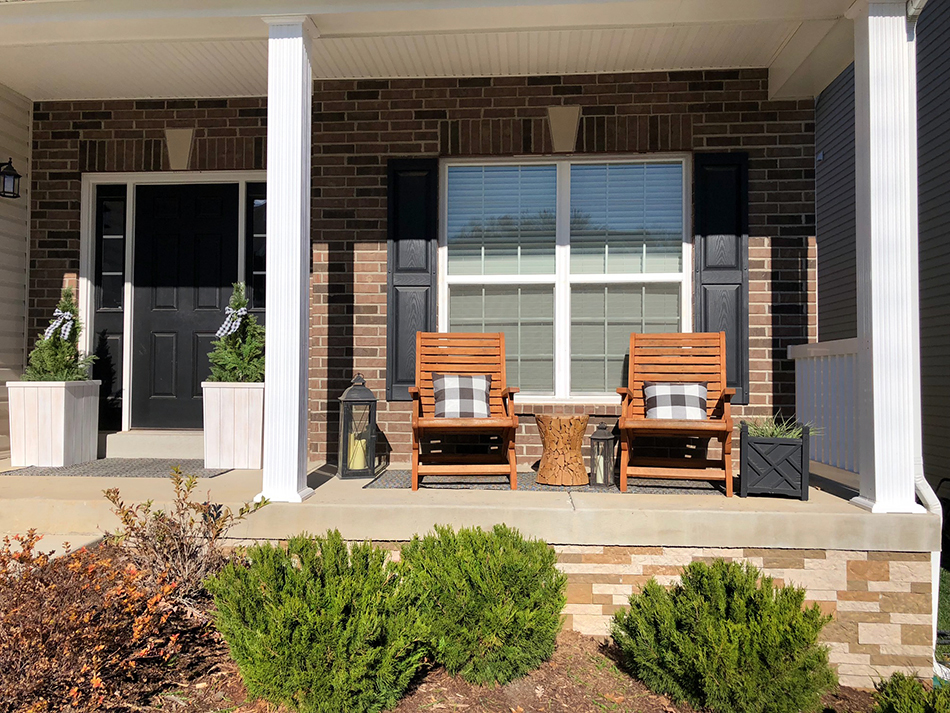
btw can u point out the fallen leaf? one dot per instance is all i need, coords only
(613, 699)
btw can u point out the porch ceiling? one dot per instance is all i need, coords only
(111, 49)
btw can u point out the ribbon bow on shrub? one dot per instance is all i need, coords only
(232, 321)
(63, 321)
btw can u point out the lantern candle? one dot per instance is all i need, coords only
(357, 451)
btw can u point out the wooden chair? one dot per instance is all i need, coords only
(458, 353)
(677, 358)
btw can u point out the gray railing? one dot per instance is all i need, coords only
(826, 396)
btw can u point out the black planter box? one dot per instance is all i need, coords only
(773, 466)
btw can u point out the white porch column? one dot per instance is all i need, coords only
(887, 269)
(289, 95)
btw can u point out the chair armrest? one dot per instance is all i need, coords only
(625, 391)
(417, 399)
(725, 403)
(508, 398)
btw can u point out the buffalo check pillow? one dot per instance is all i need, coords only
(682, 402)
(458, 396)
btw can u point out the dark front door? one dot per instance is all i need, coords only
(186, 258)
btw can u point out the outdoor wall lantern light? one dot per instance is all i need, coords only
(601, 456)
(357, 431)
(9, 180)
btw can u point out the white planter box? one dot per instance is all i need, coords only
(233, 425)
(53, 423)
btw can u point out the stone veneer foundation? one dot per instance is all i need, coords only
(880, 601)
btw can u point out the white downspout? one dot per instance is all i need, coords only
(925, 493)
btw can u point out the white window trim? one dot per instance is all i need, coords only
(562, 277)
(87, 250)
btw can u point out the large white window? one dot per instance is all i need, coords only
(567, 258)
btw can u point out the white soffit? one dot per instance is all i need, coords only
(576, 51)
(136, 69)
(236, 67)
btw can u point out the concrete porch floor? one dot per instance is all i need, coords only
(63, 506)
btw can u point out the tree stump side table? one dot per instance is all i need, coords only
(561, 459)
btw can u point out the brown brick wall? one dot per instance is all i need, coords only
(72, 138)
(359, 125)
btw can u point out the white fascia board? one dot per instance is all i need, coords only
(827, 60)
(361, 17)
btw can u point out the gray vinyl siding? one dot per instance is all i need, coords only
(933, 87)
(834, 196)
(15, 121)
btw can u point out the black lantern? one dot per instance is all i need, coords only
(601, 456)
(9, 180)
(357, 431)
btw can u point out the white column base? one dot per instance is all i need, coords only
(882, 507)
(284, 496)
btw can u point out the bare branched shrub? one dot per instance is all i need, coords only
(182, 543)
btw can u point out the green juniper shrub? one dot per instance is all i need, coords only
(238, 353)
(319, 627)
(56, 356)
(491, 600)
(905, 694)
(728, 640)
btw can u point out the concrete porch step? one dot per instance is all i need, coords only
(147, 443)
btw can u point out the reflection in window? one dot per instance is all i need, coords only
(626, 219)
(256, 252)
(525, 314)
(602, 318)
(501, 220)
(620, 268)
(110, 247)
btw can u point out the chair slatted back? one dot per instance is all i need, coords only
(460, 353)
(677, 358)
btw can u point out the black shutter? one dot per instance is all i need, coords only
(722, 259)
(413, 223)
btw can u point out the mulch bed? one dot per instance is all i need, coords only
(582, 677)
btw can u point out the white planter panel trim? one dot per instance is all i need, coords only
(233, 425)
(53, 423)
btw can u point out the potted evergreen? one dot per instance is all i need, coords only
(234, 393)
(54, 408)
(774, 458)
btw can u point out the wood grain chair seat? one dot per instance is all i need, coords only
(677, 358)
(464, 354)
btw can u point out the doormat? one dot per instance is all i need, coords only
(402, 479)
(123, 468)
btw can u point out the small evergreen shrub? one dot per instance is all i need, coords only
(55, 356)
(727, 640)
(238, 353)
(491, 600)
(320, 628)
(904, 694)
